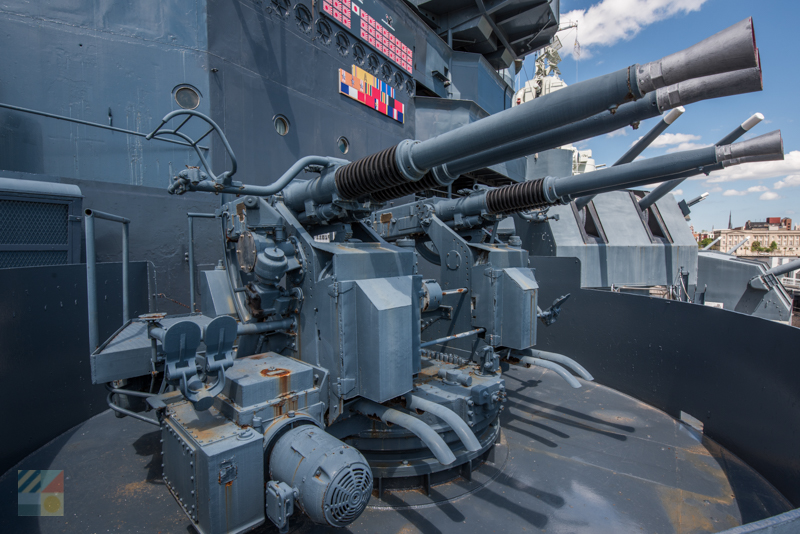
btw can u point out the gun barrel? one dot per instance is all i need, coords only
(550, 190)
(639, 147)
(674, 181)
(738, 246)
(785, 268)
(410, 161)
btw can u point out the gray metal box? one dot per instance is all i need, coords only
(215, 294)
(518, 321)
(383, 322)
(214, 468)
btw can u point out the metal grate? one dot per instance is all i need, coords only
(31, 258)
(34, 223)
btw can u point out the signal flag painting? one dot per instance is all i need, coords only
(372, 92)
(40, 493)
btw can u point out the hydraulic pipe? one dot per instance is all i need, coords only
(785, 268)
(553, 367)
(447, 415)
(425, 433)
(563, 360)
(639, 147)
(294, 171)
(451, 338)
(261, 328)
(664, 188)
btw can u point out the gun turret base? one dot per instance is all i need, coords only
(565, 458)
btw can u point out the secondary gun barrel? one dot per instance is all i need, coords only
(737, 247)
(549, 191)
(639, 147)
(657, 193)
(730, 50)
(697, 200)
(785, 268)
(654, 103)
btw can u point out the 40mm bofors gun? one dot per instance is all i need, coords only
(344, 369)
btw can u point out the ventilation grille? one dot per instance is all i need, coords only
(33, 223)
(348, 495)
(33, 233)
(31, 258)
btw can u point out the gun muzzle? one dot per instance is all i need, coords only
(535, 194)
(654, 103)
(731, 50)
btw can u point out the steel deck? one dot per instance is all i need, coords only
(570, 461)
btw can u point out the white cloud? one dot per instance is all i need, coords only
(678, 192)
(765, 170)
(769, 195)
(754, 189)
(671, 139)
(685, 146)
(789, 181)
(610, 21)
(617, 133)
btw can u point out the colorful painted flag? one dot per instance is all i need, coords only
(370, 91)
(40, 493)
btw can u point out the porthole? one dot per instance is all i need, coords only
(282, 7)
(281, 124)
(359, 54)
(342, 44)
(186, 96)
(324, 30)
(372, 63)
(386, 73)
(398, 80)
(344, 145)
(303, 16)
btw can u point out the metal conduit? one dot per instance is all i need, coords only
(447, 415)
(451, 338)
(563, 360)
(428, 435)
(553, 367)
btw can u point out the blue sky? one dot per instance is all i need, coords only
(616, 33)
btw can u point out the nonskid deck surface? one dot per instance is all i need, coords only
(585, 460)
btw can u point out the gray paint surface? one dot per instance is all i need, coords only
(45, 356)
(649, 348)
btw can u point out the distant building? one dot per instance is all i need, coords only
(702, 234)
(761, 236)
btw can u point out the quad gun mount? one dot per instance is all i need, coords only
(352, 368)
